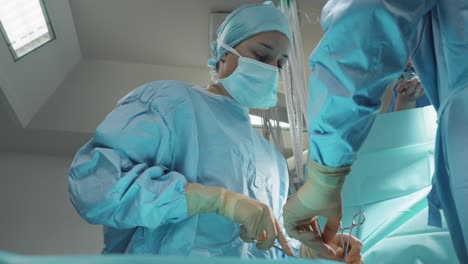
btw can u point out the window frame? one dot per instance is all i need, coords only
(50, 31)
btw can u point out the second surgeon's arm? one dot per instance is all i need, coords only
(121, 178)
(364, 48)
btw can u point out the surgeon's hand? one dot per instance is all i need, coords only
(258, 223)
(319, 196)
(408, 93)
(354, 250)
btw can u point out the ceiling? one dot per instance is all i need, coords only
(123, 44)
(161, 32)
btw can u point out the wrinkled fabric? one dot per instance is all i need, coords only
(349, 73)
(131, 176)
(245, 22)
(390, 181)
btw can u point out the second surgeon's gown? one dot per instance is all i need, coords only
(131, 176)
(349, 74)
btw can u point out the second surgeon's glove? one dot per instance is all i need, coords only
(319, 196)
(354, 251)
(256, 219)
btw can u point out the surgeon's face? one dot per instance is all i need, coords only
(268, 47)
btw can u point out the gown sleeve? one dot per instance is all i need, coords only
(121, 178)
(364, 48)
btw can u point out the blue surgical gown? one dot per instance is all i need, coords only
(365, 47)
(131, 176)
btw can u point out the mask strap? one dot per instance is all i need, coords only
(226, 47)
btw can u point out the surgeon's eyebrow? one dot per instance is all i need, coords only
(271, 48)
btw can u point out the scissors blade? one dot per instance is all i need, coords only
(280, 249)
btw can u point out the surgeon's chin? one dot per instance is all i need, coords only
(218, 88)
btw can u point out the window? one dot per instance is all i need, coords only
(257, 122)
(24, 25)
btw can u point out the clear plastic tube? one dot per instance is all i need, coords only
(296, 91)
(271, 128)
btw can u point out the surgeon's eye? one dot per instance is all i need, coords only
(260, 57)
(280, 66)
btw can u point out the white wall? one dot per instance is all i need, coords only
(36, 216)
(95, 86)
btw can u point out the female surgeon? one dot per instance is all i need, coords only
(177, 169)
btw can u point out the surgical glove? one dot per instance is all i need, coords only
(408, 93)
(320, 195)
(354, 251)
(257, 220)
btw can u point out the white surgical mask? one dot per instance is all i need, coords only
(252, 84)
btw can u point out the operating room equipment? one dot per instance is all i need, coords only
(271, 128)
(296, 91)
(278, 248)
(358, 219)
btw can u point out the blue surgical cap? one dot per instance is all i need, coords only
(246, 21)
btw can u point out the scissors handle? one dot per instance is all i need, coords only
(358, 219)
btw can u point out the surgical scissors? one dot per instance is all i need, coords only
(280, 249)
(358, 219)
